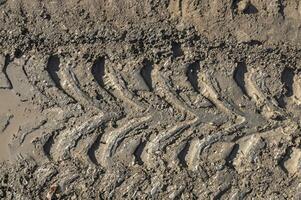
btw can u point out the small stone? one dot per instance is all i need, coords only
(243, 5)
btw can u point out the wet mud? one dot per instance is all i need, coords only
(150, 99)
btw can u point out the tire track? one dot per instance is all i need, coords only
(90, 135)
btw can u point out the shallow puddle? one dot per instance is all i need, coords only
(17, 114)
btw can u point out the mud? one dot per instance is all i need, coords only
(150, 99)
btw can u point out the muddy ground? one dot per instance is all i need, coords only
(149, 99)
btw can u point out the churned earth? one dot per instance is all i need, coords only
(149, 99)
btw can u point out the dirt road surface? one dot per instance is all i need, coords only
(149, 99)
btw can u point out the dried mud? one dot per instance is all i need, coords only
(171, 99)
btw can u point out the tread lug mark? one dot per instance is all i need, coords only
(209, 91)
(160, 141)
(90, 149)
(142, 77)
(4, 80)
(198, 145)
(271, 111)
(116, 136)
(163, 88)
(192, 74)
(193, 155)
(68, 139)
(123, 92)
(239, 76)
(248, 152)
(83, 145)
(223, 151)
(185, 85)
(241, 97)
(146, 73)
(44, 142)
(53, 67)
(98, 71)
(180, 153)
(70, 84)
(235, 97)
(196, 148)
(47, 142)
(177, 154)
(138, 152)
(126, 152)
(44, 75)
(287, 79)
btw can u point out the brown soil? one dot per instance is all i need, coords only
(171, 99)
